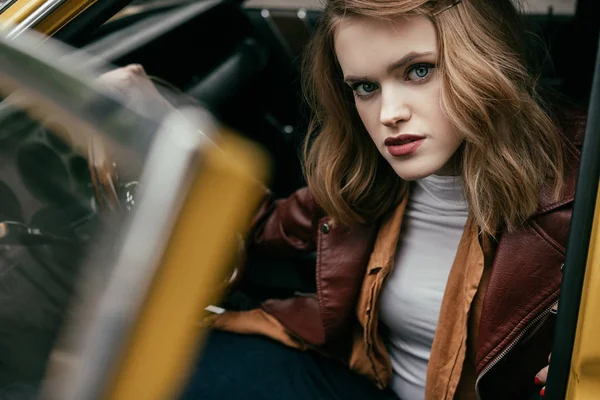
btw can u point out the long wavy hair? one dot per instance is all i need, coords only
(511, 142)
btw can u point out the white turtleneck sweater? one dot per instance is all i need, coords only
(433, 224)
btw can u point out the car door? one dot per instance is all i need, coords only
(68, 18)
(575, 365)
(86, 288)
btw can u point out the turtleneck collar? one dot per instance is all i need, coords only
(445, 189)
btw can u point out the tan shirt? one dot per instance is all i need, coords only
(459, 315)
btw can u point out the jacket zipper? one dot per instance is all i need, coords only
(536, 324)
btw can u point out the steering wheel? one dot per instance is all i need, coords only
(113, 196)
(104, 178)
(110, 193)
(113, 193)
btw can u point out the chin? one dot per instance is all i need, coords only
(415, 172)
(412, 176)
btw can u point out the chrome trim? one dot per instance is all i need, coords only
(6, 5)
(35, 17)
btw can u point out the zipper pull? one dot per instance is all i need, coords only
(554, 309)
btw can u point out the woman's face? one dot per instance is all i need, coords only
(391, 67)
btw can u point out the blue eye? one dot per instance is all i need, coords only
(365, 88)
(419, 72)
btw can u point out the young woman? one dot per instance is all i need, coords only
(439, 196)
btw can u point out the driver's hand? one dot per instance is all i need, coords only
(135, 87)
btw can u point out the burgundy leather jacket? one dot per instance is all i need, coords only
(516, 327)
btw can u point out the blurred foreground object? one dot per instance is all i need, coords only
(130, 312)
(172, 264)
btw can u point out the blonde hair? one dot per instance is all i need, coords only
(511, 144)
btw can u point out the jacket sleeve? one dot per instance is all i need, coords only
(285, 226)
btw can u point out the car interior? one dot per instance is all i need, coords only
(242, 62)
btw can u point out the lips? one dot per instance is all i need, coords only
(403, 145)
(401, 139)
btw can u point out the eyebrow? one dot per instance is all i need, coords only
(391, 68)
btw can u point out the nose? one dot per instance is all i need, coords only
(394, 108)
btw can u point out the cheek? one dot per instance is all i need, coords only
(447, 129)
(368, 115)
(439, 119)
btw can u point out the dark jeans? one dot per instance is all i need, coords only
(17, 391)
(255, 368)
